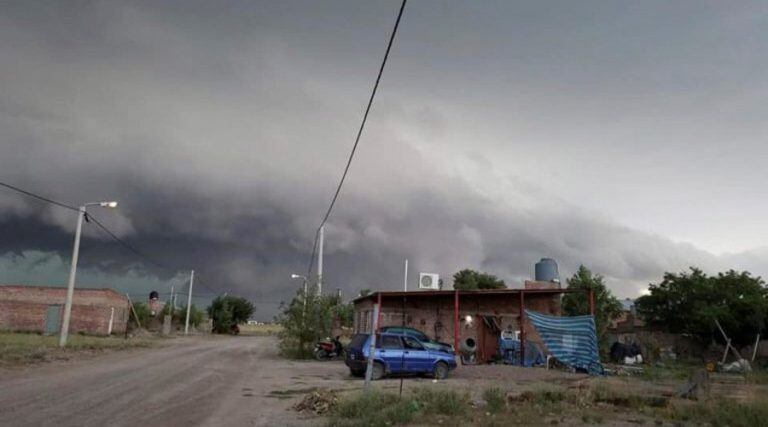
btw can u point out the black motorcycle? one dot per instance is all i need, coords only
(330, 348)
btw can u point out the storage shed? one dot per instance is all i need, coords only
(454, 316)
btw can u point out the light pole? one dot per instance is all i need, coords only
(299, 276)
(73, 269)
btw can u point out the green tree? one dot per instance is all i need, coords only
(228, 311)
(607, 306)
(307, 318)
(467, 280)
(690, 302)
(142, 310)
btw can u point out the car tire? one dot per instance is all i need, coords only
(441, 371)
(378, 371)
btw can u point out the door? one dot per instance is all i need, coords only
(415, 356)
(52, 320)
(391, 351)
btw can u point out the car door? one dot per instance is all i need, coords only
(415, 356)
(391, 351)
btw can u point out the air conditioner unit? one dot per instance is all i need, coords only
(429, 281)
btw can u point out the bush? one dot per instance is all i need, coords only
(228, 312)
(179, 316)
(142, 311)
(308, 318)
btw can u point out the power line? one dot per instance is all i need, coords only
(37, 196)
(126, 245)
(357, 138)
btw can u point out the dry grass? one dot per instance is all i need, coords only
(25, 348)
(261, 330)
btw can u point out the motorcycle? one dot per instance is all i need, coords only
(328, 349)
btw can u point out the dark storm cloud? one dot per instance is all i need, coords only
(222, 129)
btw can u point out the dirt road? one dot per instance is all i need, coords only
(208, 381)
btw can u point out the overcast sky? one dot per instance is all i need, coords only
(627, 136)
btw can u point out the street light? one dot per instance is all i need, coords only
(73, 268)
(304, 297)
(299, 276)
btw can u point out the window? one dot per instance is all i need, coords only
(391, 342)
(412, 343)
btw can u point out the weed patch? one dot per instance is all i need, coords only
(495, 398)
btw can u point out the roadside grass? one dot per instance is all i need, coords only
(721, 413)
(675, 371)
(261, 330)
(29, 348)
(387, 409)
(758, 376)
(599, 402)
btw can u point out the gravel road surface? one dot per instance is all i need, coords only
(208, 381)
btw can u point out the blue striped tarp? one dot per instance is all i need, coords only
(571, 340)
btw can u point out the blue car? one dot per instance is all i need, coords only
(397, 354)
(421, 336)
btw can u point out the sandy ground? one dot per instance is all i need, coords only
(208, 381)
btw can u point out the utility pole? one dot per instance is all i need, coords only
(189, 301)
(405, 276)
(71, 281)
(173, 300)
(320, 262)
(73, 269)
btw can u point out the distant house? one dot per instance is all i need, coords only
(41, 308)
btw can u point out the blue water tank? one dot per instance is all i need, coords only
(546, 271)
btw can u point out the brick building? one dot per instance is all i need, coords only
(41, 308)
(455, 316)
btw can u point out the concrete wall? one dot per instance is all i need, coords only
(434, 315)
(24, 308)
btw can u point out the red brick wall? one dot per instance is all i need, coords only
(23, 308)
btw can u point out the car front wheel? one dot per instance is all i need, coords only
(441, 370)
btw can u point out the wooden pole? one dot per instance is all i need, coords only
(138, 322)
(591, 302)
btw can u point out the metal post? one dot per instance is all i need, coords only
(372, 347)
(522, 328)
(754, 351)
(456, 321)
(405, 277)
(320, 262)
(189, 301)
(71, 281)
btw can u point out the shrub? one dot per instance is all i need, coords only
(229, 311)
